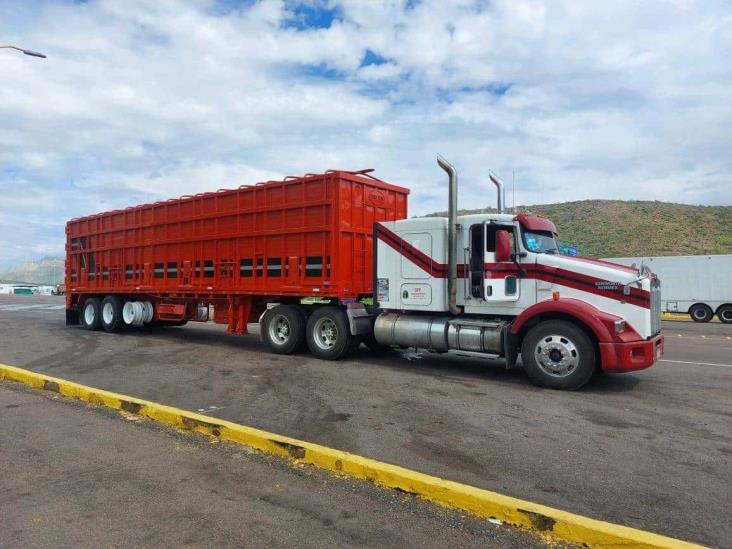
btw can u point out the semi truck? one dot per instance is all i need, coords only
(699, 285)
(329, 261)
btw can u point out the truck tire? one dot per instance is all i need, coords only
(283, 329)
(724, 313)
(559, 355)
(328, 335)
(700, 313)
(111, 314)
(90, 314)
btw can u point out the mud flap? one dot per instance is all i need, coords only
(72, 317)
(510, 347)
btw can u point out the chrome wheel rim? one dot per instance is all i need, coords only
(107, 313)
(326, 333)
(726, 315)
(280, 330)
(89, 314)
(556, 355)
(699, 313)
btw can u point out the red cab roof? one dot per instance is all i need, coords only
(535, 223)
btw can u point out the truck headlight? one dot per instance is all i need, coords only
(619, 326)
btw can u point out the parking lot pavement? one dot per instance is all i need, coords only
(81, 476)
(649, 449)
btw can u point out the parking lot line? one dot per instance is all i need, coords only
(548, 521)
(699, 363)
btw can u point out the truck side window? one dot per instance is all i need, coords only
(245, 267)
(208, 269)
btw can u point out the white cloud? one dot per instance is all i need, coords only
(139, 101)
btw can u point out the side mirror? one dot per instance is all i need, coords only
(503, 246)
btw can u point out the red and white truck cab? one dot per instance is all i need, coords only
(496, 284)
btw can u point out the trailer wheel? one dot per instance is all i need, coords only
(725, 314)
(701, 313)
(559, 355)
(284, 329)
(90, 314)
(111, 314)
(328, 335)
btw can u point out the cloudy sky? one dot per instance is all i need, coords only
(139, 101)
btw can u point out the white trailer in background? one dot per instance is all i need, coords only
(700, 285)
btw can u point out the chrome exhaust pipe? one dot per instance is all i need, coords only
(451, 235)
(501, 188)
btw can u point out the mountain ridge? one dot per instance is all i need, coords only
(628, 228)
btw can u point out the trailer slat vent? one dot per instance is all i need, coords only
(314, 265)
(274, 266)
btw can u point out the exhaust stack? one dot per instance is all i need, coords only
(451, 235)
(500, 187)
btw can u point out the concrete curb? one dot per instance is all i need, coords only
(549, 522)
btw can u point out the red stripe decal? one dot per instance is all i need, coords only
(546, 273)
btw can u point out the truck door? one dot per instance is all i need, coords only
(500, 275)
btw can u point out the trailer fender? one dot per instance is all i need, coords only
(598, 322)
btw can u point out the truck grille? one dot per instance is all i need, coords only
(655, 306)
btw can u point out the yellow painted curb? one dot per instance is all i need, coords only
(682, 317)
(482, 503)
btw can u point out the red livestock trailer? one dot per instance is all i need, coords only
(303, 238)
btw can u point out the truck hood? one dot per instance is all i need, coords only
(595, 268)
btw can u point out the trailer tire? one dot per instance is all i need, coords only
(700, 313)
(724, 313)
(328, 335)
(284, 329)
(90, 314)
(111, 313)
(559, 355)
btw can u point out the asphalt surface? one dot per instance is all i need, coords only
(649, 449)
(76, 476)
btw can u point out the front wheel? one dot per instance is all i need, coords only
(328, 335)
(559, 355)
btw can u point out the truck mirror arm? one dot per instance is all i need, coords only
(514, 258)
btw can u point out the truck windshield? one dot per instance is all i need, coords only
(540, 242)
